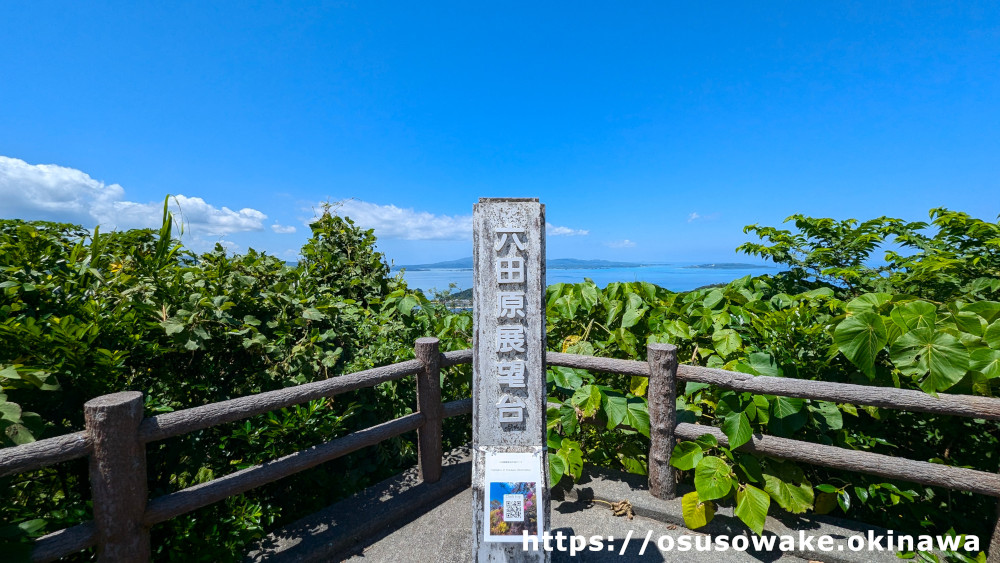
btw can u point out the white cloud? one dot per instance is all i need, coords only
(555, 231)
(391, 222)
(695, 216)
(282, 229)
(621, 244)
(58, 193)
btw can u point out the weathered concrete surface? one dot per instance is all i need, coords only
(445, 535)
(403, 520)
(613, 485)
(340, 527)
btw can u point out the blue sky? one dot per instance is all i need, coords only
(652, 132)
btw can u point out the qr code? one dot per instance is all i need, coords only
(513, 508)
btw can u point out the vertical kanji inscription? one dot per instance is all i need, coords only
(509, 352)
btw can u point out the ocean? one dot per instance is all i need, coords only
(674, 277)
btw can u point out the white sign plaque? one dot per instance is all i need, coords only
(513, 484)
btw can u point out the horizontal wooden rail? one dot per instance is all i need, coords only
(64, 542)
(198, 418)
(456, 408)
(456, 357)
(887, 397)
(957, 478)
(71, 446)
(169, 506)
(594, 363)
(36, 455)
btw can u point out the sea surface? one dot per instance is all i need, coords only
(674, 277)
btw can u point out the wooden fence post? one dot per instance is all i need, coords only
(118, 476)
(429, 452)
(993, 552)
(662, 394)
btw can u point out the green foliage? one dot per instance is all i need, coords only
(751, 507)
(84, 314)
(928, 319)
(697, 513)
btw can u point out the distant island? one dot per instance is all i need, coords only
(554, 264)
(460, 264)
(728, 266)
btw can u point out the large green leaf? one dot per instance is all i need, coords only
(16, 433)
(750, 466)
(914, 314)
(686, 455)
(587, 399)
(712, 478)
(737, 429)
(726, 341)
(581, 347)
(9, 372)
(986, 362)
(551, 418)
(566, 306)
(316, 315)
(706, 441)
(626, 340)
(793, 498)
(557, 468)
(869, 302)
(571, 453)
(988, 310)
(678, 329)
(787, 406)
(614, 309)
(764, 364)
(567, 417)
(630, 411)
(826, 415)
(588, 295)
(936, 356)
(969, 322)
(729, 402)
(567, 378)
(634, 311)
(10, 411)
(751, 507)
(763, 406)
(713, 298)
(638, 415)
(615, 407)
(992, 335)
(697, 513)
(405, 306)
(172, 326)
(638, 385)
(860, 337)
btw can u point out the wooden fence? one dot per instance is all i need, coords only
(664, 373)
(116, 434)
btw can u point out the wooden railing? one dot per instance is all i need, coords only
(116, 434)
(664, 373)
